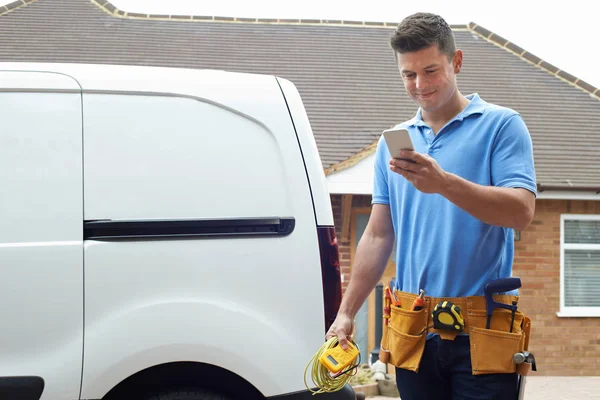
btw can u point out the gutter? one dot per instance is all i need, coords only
(542, 188)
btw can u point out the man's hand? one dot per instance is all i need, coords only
(499, 206)
(342, 327)
(424, 173)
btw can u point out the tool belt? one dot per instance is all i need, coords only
(492, 350)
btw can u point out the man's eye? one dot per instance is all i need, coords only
(431, 71)
(409, 76)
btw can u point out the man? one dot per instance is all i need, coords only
(452, 211)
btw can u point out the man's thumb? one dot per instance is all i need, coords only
(343, 341)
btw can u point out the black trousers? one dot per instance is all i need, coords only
(445, 374)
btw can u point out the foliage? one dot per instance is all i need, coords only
(363, 376)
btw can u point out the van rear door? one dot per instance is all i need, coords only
(41, 236)
(200, 220)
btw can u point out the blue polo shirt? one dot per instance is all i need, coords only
(440, 247)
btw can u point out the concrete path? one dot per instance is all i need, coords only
(554, 388)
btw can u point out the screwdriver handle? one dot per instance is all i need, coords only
(386, 306)
(419, 301)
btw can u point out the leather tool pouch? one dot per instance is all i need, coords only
(403, 340)
(524, 368)
(492, 350)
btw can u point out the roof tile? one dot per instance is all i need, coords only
(110, 7)
(310, 21)
(586, 86)
(482, 31)
(567, 76)
(498, 39)
(13, 5)
(549, 67)
(219, 18)
(137, 15)
(530, 57)
(513, 47)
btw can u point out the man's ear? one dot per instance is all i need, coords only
(457, 61)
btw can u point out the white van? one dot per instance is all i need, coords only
(164, 233)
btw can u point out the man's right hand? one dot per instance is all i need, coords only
(342, 327)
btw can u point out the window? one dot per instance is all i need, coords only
(580, 266)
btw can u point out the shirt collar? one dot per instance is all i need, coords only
(476, 106)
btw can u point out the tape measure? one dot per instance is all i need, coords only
(447, 316)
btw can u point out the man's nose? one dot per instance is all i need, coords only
(420, 82)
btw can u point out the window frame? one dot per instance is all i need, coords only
(574, 311)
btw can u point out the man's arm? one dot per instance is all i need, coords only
(372, 255)
(507, 207)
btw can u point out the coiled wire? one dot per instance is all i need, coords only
(322, 377)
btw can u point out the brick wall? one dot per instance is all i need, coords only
(562, 346)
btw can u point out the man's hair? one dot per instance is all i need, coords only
(421, 30)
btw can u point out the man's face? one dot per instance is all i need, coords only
(429, 76)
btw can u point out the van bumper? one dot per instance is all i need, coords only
(346, 393)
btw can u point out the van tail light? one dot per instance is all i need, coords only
(330, 273)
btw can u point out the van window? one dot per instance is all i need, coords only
(177, 157)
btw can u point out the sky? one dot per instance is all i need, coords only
(561, 33)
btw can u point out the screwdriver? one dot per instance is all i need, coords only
(514, 310)
(419, 301)
(386, 306)
(394, 299)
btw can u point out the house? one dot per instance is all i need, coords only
(346, 74)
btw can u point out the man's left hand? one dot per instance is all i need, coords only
(425, 173)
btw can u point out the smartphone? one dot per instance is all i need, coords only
(398, 140)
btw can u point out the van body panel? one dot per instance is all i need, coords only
(218, 149)
(165, 157)
(213, 326)
(210, 298)
(314, 166)
(38, 82)
(41, 236)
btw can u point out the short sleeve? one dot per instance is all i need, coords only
(381, 194)
(512, 156)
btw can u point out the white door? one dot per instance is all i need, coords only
(41, 236)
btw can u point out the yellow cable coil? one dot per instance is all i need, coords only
(322, 378)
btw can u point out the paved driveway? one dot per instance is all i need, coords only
(554, 388)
